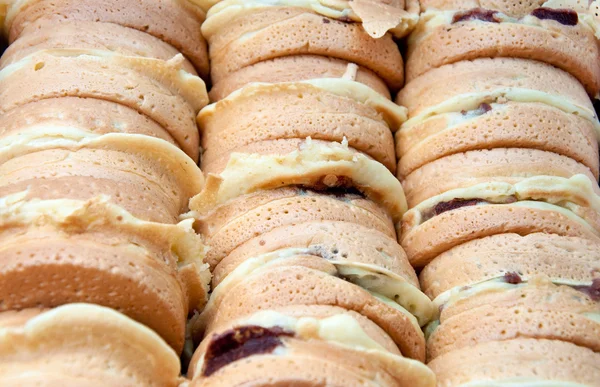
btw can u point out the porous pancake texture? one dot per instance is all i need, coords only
(68, 346)
(499, 162)
(99, 152)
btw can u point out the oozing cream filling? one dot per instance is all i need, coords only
(471, 101)
(342, 330)
(189, 176)
(380, 281)
(431, 19)
(380, 286)
(169, 73)
(542, 192)
(377, 18)
(97, 214)
(101, 331)
(312, 163)
(452, 119)
(495, 285)
(393, 114)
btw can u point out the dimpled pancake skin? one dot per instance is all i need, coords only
(317, 312)
(513, 124)
(296, 285)
(181, 29)
(156, 88)
(509, 165)
(484, 76)
(67, 346)
(465, 224)
(320, 165)
(252, 215)
(303, 370)
(442, 39)
(306, 320)
(530, 255)
(287, 111)
(89, 35)
(519, 359)
(540, 204)
(294, 68)
(536, 311)
(88, 115)
(94, 253)
(264, 33)
(148, 177)
(510, 8)
(69, 269)
(315, 363)
(376, 364)
(493, 103)
(344, 241)
(99, 153)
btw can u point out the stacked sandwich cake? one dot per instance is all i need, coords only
(99, 145)
(499, 163)
(300, 203)
(345, 238)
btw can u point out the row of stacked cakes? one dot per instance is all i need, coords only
(499, 162)
(300, 205)
(99, 147)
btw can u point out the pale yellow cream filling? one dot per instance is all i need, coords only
(313, 162)
(543, 192)
(383, 289)
(377, 17)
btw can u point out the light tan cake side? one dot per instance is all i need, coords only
(284, 146)
(520, 360)
(539, 204)
(85, 345)
(279, 286)
(243, 43)
(297, 209)
(334, 241)
(570, 48)
(509, 165)
(96, 251)
(312, 327)
(378, 17)
(46, 175)
(149, 177)
(368, 273)
(94, 267)
(292, 111)
(291, 370)
(301, 363)
(89, 35)
(485, 75)
(508, 125)
(510, 8)
(158, 89)
(498, 255)
(294, 68)
(223, 214)
(450, 229)
(181, 29)
(90, 115)
(306, 322)
(17, 318)
(539, 311)
(315, 164)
